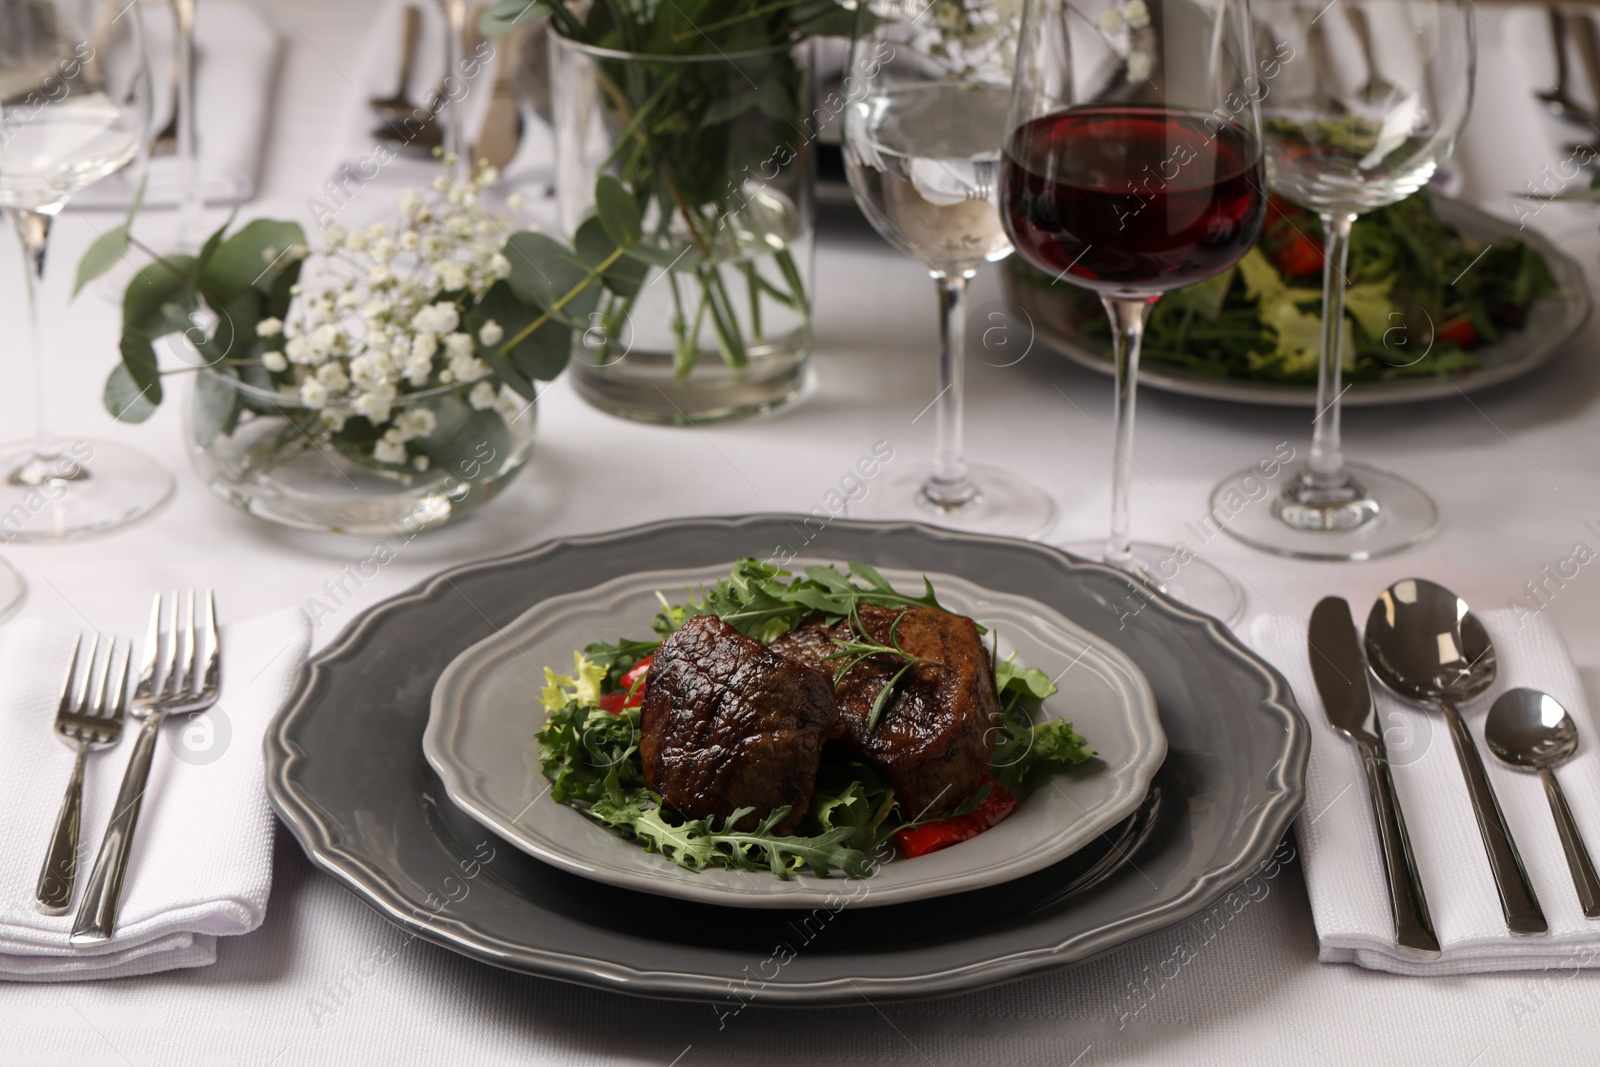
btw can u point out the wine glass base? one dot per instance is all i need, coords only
(1004, 504)
(1389, 516)
(67, 490)
(1177, 572)
(13, 590)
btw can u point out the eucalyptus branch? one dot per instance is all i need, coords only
(570, 295)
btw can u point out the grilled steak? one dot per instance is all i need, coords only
(934, 739)
(728, 723)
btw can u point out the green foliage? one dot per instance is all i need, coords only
(764, 602)
(585, 752)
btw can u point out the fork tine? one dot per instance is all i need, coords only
(169, 657)
(119, 706)
(210, 673)
(72, 669)
(80, 700)
(102, 706)
(187, 651)
(152, 648)
(96, 704)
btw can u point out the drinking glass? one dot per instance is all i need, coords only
(1133, 166)
(1367, 103)
(925, 92)
(76, 107)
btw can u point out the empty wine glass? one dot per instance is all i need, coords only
(1134, 167)
(1368, 101)
(926, 91)
(76, 107)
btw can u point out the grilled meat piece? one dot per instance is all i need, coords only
(935, 738)
(727, 723)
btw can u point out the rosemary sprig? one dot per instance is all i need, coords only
(856, 650)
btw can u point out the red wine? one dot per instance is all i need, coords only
(1132, 201)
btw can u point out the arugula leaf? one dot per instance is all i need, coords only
(618, 658)
(1026, 753)
(587, 753)
(697, 843)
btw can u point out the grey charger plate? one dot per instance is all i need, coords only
(345, 772)
(1551, 323)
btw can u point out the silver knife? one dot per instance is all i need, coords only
(1341, 674)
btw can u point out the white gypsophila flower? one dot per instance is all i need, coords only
(424, 345)
(368, 371)
(420, 462)
(1140, 64)
(500, 266)
(334, 235)
(409, 241)
(376, 308)
(380, 274)
(416, 422)
(417, 370)
(324, 339)
(313, 394)
(387, 451)
(1110, 20)
(332, 375)
(491, 332)
(299, 351)
(382, 250)
(356, 241)
(482, 396)
(451, 275)
(468, 368)
(335, 417)
(458, 345)
(274, 362)
(1137, 14)
(347, 300)
(516, 201)
(269, 327)
(409, 202)
(375, 404)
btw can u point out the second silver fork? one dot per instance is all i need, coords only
(88, 717)
(177, 675)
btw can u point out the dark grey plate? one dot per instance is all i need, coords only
(345, 771)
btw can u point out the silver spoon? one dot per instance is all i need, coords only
(1531, 730)
(1425, 644)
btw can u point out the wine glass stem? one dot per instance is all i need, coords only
(1325, 469)
(33, 228)
(1127, 335)
(191, 210)
(455, 130)
(948, 486)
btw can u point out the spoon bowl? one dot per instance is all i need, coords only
(1530, 729)
(1424, 643)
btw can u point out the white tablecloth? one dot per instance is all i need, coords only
(1516, 473)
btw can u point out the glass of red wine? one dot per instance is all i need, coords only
(1133, 167)
(1367, 104)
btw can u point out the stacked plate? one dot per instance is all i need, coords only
(401, 762)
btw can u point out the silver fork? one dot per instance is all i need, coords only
(88, 717)
(179, 674)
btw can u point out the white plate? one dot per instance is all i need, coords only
(1551, 323)
(485, 712)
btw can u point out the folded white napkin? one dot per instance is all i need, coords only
(202, 860)
(236, 60)
(370, 160)
(1339, 844)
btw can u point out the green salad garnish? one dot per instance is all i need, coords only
(590, 755)
(1422, 297)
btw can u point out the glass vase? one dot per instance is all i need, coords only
(717, 151)
(269, 454)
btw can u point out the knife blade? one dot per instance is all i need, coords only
(1340, 671)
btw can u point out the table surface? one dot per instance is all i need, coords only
(1515, 471)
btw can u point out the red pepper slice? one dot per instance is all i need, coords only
(630, 689)
(932, 836)
(1459, 330)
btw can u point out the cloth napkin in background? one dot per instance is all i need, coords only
(202, 861)
(1339, 843)
(236, 63)
(530, 171)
